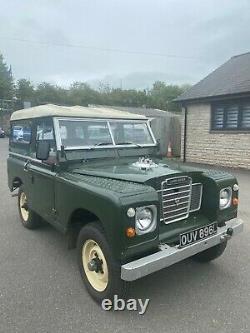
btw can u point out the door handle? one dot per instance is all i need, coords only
(26, 164)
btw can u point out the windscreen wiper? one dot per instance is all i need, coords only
(102, 144)
(129, 143)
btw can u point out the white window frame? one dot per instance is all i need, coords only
(108, 121)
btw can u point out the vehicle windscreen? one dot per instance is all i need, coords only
(82, 133)
(130, 133)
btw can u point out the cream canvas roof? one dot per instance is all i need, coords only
(73, 111)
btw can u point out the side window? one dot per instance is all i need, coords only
(21, 133)
(45, 131)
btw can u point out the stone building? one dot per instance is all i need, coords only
(216, 116)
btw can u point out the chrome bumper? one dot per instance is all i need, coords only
(169, 255)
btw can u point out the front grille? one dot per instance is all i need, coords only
(179, 198)
(196, 197)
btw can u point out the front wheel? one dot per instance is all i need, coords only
(211, 253)
(29, 219)
(99, 270)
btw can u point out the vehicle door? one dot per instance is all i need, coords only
(43, 172)
(19, 153)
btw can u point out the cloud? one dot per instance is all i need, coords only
(63, 41)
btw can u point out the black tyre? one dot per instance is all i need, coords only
(29, 219)
(210, 254)
(99, 270)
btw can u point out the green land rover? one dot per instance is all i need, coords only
(95, 174)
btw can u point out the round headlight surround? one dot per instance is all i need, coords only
(145, 219)
(225, 197)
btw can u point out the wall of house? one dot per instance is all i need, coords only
(203, 146)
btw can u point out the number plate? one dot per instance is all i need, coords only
(196, 235)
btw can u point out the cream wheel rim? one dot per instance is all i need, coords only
(23, 202)
(92, 253)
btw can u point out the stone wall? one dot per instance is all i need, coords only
(230, 149)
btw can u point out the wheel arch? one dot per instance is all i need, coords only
(16, 183)
(78, 219)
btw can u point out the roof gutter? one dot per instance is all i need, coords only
(212, 98)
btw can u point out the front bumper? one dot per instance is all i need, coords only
(169, 255)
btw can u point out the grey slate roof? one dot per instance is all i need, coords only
(233, 77)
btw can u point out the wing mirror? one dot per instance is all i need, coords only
(42, 150)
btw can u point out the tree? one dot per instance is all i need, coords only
(128, 97)
(49, 93)
(80, 93)
(25, 90)
(162, 96)
(6, 80)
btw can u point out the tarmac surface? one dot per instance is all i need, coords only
(41, 289)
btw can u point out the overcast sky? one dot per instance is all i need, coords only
(123, 42)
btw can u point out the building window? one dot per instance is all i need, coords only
(231, 117)
(245, 121)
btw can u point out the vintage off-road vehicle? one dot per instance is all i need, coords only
(96, 176)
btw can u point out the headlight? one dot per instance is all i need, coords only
(225, 197)
(145, 219)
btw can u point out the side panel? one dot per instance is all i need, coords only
(70, 196)
(15, 169)
(110, 208)
(38, 180)
(42, 189)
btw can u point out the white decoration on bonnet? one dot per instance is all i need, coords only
(145, 163)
